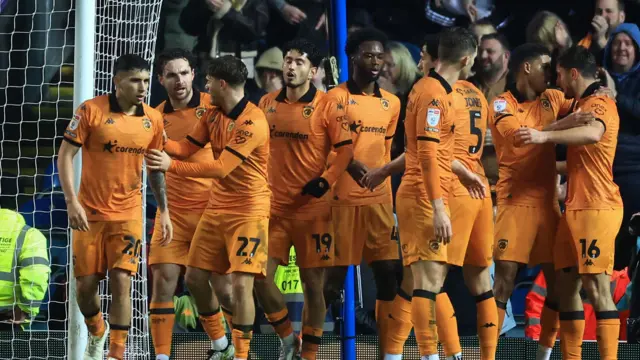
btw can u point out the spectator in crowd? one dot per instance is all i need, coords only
(399, 74)
(548, 29)
(445, 12)
(225, 27)
(268, 75)
(358, 19)
(492, 65)
(608, 15)
(24, 256)
(492, 68)
(482, 28)
(297, 19)
(319, 77)
(622, 62)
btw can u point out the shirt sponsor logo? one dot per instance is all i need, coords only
(112, 147)
(357, 128)
(287, 134)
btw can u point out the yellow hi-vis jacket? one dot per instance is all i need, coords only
(24, 264)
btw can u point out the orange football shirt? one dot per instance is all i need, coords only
(589, 167)
(302, 135)
(187, 192)
(372, 122)
(472, 111)
(526, 173)
(429, 127)
(113, 146)
(244, 133)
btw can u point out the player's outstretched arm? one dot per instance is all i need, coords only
(75, 211)
(469, 179)
(583, 135)
(184, 148)
(577, 118)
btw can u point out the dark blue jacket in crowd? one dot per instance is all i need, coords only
(628, 101)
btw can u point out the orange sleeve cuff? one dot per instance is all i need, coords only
(344, 155)
(427, 156)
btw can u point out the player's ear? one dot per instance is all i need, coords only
(193, 74)
(574, 73)
(526, 67)
(116, 80)
(465, 61)
(161, 79)
(312, 72)
(623, 16)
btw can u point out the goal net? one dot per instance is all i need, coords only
(36, 104)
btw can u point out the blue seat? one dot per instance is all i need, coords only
(50, 178)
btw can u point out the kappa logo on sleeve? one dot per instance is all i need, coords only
(433, 117)
(499, 105)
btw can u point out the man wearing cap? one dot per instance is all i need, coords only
(24, 270)
(268, 75)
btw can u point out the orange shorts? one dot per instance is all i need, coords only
(107, 245)
(227, 243)
(525, 234)
(586, 239)
(417, 235)
(472, 226)
(184, 223)
(312, 239)
(364, 231)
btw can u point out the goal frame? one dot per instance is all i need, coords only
(83, 87)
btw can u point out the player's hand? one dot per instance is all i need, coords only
(77, 216)
(293, 15)
(166, 228)
(158, 160)
(316, 187)
(603, 74)
(357, 170)
(472, 11)
(528, 136)
(374, 177)
(442, 226)
(577, 118)
(165, 138)
(474, 184)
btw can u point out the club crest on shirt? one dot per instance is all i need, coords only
(307, 111)
(199, 112)
(232, 124)
(385, 103)
(502, 244)
(546, 104)
(146, 124)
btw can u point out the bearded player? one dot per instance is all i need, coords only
(188, 197)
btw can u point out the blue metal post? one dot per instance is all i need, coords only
(348, 309)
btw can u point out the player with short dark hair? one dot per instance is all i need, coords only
(115, 131)
(188, 198)
(363, 219)
(584, 248)
(306, 125)
(421, 201)
(526, 186)
(231, 237)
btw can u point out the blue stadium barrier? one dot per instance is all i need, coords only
(50, 178)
